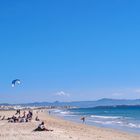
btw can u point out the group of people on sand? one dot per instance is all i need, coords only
(26, 117)
(18, 118)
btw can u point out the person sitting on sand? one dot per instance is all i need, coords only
(29, 116)
(3, 118)
(24, 114)
(41, 127)
(13, 119)
(37, 119)
(23, 120)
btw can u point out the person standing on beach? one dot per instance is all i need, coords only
(18, 112)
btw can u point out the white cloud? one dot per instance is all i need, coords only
(137, 90)
(62, 93)
(117, 94)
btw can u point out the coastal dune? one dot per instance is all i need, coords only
(62, 130)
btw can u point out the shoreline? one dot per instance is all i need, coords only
(63, 129)
(116, 122)
(78, 121)
(94, 126)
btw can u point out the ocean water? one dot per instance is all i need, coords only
(126, 118)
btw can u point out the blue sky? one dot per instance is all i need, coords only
(69, 50)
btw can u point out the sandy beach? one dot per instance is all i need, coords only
(63, 130)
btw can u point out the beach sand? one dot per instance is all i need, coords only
(63, 130)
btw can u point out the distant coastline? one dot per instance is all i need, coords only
(82, 104)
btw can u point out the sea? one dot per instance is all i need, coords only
(125, 118)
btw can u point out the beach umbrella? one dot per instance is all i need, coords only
(15, 82)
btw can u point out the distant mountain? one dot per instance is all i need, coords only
(114, 102)
(83, 104)
(5, 104)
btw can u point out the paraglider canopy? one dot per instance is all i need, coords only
(15, 82)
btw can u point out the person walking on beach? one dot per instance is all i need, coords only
(83, 119)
